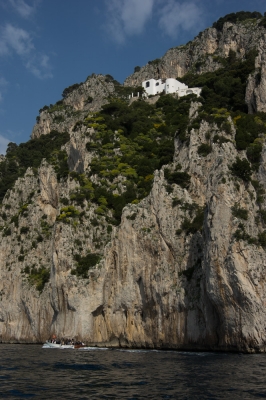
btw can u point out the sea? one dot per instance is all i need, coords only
(31, 372)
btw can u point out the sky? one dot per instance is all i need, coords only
(48, 45)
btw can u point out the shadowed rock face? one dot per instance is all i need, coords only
(156, 284)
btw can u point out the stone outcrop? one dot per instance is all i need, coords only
(90, 96)
(202, 54)
(256, 86)
(155, 283)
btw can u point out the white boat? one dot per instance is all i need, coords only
(50, 345)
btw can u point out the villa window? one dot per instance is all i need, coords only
(157, 83)
(147, 84)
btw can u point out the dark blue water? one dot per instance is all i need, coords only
(30, 372)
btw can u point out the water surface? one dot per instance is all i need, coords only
(30, 372)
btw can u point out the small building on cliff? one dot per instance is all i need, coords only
(169, 85)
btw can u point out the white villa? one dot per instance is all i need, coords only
(169, 85)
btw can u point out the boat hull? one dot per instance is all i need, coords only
(49, 345)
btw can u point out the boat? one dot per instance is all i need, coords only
(52, 345)
(79, 345)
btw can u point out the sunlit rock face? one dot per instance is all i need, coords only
(158, 281)
(202, 54)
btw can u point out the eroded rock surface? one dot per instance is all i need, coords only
(158, 282)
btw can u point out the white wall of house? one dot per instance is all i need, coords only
(185, 92)
(153, 86)
(169, 85)
(173, 86)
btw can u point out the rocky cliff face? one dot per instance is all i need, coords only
(255, 94)
(185, 268)
(89, 96)
(156, 284)
(204, 52)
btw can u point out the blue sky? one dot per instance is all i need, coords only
(48, 45)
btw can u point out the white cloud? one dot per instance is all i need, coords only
(175, 16)
(18, 41)
(127, 17)
(40, 66)
(3, 144)
(15, 39)
(23, 9)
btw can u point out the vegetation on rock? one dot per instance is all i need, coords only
(30, 154)
(236, 17)
(84, 264)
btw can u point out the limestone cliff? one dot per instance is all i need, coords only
(204, 53)
(62, 116)
(255, 94)
(183, 265)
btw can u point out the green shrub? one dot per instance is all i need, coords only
(241, 169)
(6, 232)
(241, 234)
(70, 89)
(64, 201)
(239, 212)
(220, 139)
(24, 230)
(78, 242)
(14, 219)
(248, 128)
(84, 264)
(226, 127)
(132, 216)
(196, 224)
(260, 191)
(254, 154)
(180, 178)
(46, 228)
(94, 222)
(236, 17)
(176, 202)
(26, 270)
(224, 87)
(204, 149)
(263, 22)
(262, 239)
(66, 213)
(154, 62)
(58, 118)
(91, 146)
(39, 239)
(262, 214)
(4, 216)
(29, 154)
(77, 126)
(39, 277)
